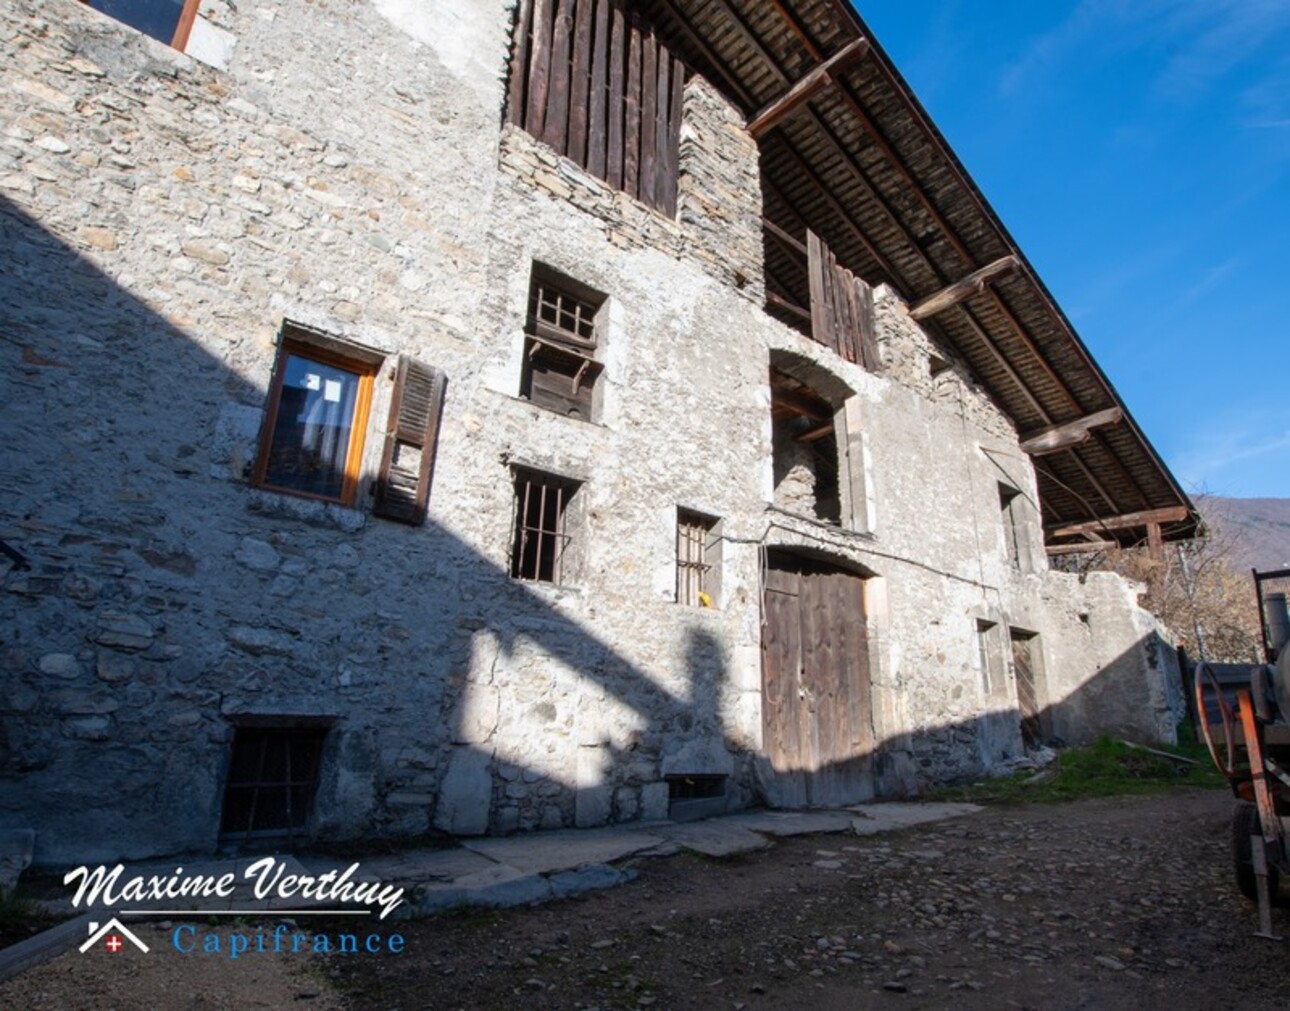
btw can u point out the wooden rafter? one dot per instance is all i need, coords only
(783, 236)
(1069, 433)
(898, 163)
(799, 403)
(1170, 514)
(695, 38)
(807, 87)
(961, 291)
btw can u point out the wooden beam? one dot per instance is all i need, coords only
(1069, 433)
(790, 400)
(1080, 547)
(1171, 514)
(961, 291)
(787, 306)
(816, 433)
(808, 86)
(1155, 543)
(783, 236)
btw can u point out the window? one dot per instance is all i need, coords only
(988, 657)
(805, 450)
(1010, 504)
(541, 541)
(271, 780)
(698, 559)
(695, 795)
(312, 443)
(314, 434)
(168, 21)
(560, 369)
(602, 90)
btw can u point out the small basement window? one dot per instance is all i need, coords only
(271, 781)
(168, 21)
(561, 370)
(695, 795)
(698, 559)
(541, 542)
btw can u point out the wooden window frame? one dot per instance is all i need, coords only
(366, 370)
(573, 351)
(183, 27)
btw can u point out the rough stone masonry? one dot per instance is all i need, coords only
(342, 174)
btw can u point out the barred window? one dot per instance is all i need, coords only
(541, 540)
(271, 781)
(698, 555)
(560, 370)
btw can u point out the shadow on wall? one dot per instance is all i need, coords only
(168, 603)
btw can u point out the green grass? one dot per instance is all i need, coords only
(20, 918)
(1107, 768)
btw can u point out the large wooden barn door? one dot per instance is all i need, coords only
(816, 721)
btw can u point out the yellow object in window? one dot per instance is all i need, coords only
(704, 599)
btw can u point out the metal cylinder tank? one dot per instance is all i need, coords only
(1278, 620)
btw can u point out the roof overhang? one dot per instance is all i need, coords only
(848, 152)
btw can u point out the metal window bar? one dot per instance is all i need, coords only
(540, 538)
(692, 565)
(261, 784)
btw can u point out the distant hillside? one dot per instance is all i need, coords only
(1258, 528)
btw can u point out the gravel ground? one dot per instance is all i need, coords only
(1101, 904)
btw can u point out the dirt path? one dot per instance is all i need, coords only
(1106, 904)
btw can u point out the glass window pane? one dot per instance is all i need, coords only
(158, 18)
(311, 436)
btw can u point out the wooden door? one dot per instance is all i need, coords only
(818, 730)
(1023, 666)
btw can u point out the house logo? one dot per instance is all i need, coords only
(117, 934)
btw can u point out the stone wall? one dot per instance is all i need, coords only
(346, 171)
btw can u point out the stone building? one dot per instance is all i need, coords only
(495, 416)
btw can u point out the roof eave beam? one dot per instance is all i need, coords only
(961, 291)
(1070, 433)
(806, 88)
(1080, 547)
(1171, 514)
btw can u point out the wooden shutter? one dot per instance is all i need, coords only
(841, 307)
(603, 90)
(403, 483)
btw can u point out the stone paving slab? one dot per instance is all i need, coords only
(791, 823)
(411, 865)
(715, 838)
(893, 816)
(543, 852)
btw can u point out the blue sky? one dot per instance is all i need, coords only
(1139, 152)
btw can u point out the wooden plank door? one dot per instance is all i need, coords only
(816, 693)
(782, 717)
(1023, 666)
